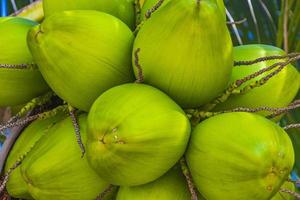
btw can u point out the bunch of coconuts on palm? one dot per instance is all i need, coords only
(133, 100)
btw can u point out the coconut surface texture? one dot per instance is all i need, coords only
(122, 9)
(81, 54)
(149, 4)
(17, 86)
(54, 169)
(171, 186)
(278, 92)
(136, 133)
(16, 186)
(239, 156)
(186, 51)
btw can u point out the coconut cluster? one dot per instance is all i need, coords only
(139, 74)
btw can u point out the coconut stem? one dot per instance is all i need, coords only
(189, 180)
(77, 129)
(137, 8)
(26, 120)
(39, 101)
(107, 191)
(198, 115)
(263, 59)
(237, 22)
(8, 173)
(140, 78)
(291, 126)
(153, 9)
(290, 192)
(233, 88)
(17, 66)
(292, 106)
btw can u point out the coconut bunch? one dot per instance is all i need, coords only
(144, 100)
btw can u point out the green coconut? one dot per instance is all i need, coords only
(284, 196)
(17, 86)
(186, 51)
(148, 4)
(16, 186)
(171, 186)
(137, 132)
(239, 156)
(122, 9)
(81, 54)
(54, 169)
(278, 92)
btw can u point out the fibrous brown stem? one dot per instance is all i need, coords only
(292, 106)
(106, 192)
(291, 126)
(137, 6)
(263, 59)
(233, 88)
(140, 78)
(290, 192)
(188, 177)
(7, 174)
(15, 66)
(39, 101)
(28, 119)
(153, 9)
(198, 114)
(77, 130)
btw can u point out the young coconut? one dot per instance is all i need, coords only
(171, 186)
(19, 83)
(278, 92)
(149, 4)
(89, 49)
(239, 156)
(186, 51)
(122, 9)
(16, 186)
(137, 131)
(53, 169)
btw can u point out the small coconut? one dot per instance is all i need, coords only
(81, 54)
(136, 133)
(239, 156)
(186, 51)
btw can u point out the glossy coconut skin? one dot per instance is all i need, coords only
(171, 186)
(81, 54)
(17, 86)
(150, 3)
(16, 186)
(54, 168)
(122, 9)
(190, 63)
(278, 92)
(137, 131)
(243, 154)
